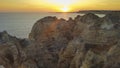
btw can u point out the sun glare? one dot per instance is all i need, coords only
(65, 9)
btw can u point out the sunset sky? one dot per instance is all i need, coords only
(57, 5)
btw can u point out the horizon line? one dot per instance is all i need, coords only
(54, 11)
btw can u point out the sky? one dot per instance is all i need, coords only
(57, 5)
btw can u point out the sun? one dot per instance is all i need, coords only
(65, 9)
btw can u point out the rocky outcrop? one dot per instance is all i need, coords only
(93, 51)
(12, 53)
(84, 42)
(51, 38)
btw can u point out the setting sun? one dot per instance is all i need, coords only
(65, 9)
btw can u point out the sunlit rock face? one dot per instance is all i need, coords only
(84, 42)
(51, 38)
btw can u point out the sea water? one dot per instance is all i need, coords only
(19, 24)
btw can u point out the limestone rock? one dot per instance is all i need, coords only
(84, 42)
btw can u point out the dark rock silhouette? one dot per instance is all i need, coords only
(84, 42)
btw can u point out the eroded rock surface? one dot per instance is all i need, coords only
(84, 42)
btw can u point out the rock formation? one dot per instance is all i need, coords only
(84, 42)
(12, 53)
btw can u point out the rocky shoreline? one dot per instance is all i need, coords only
(84, 42)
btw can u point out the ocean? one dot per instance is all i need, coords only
(20, 24)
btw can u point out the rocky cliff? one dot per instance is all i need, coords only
(83, 42)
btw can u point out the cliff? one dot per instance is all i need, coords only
(83, 42)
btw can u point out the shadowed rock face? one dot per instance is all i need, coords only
(85, 42)
(12, 53)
